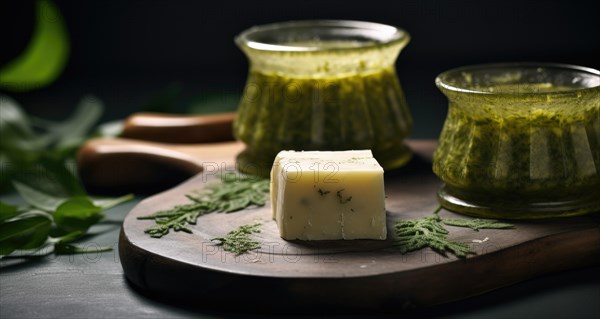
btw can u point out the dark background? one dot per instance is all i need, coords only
(127, 51)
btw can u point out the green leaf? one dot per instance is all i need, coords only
(68, 134)
(110, 129)
(8, 211)
(44, 57)
(58, 177)
(19, 143)
(109, 202)
(37, 198)
(59, 181)
(26, 233)
(70, 237)
(42, 160)
(77, 214)
(41, 168)
(69, 249)
(13, 117)
(74, 130)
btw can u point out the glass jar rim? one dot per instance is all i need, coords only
(378, 34)
(443, 80)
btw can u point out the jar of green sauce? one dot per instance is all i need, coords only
(322, 85)
(520, 140)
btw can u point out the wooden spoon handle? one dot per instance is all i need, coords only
(111, 166)
(170, 128)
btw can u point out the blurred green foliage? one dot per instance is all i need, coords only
(44, 58)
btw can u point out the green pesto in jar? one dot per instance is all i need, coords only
(523, 154)
(322, 85)
(359, 110)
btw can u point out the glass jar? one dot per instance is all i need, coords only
(322, 85)
(520, 140)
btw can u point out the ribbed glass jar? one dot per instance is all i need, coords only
(520, 140)
(322, 85)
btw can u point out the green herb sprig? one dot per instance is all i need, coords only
(238, 241)
(37, 161)
(476, 224)
(429, 232)
(233, 193)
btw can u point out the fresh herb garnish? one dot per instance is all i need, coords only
(36, 160)
(234, 193)
(429, 232)
(238, 241)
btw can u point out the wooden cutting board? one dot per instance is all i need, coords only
(356, 275)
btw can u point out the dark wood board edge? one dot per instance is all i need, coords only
(428, 286)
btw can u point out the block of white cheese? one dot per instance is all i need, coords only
(326, 156)
(328, 195)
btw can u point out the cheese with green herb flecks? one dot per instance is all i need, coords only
(328, 195)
